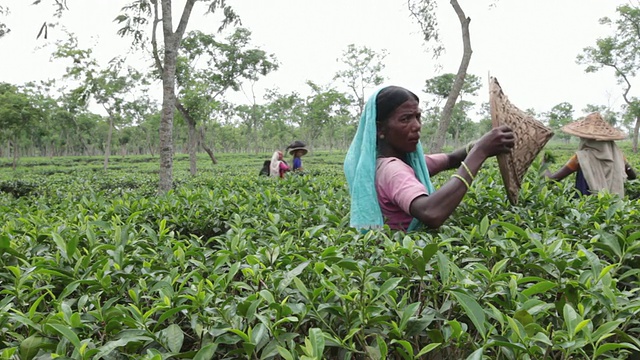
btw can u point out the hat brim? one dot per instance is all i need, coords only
(530, 137)
(305, 151)
(595, 136)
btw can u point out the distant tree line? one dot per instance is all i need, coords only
(198, 70)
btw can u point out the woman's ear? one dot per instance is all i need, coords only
(380, 130)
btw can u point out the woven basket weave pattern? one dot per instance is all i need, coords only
(593, 126)
(531, 136)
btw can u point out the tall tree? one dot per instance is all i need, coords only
(209, 69)
(621, 53)
(133, 18)
(142, 111)
(17, 116)
(363, 68)
(324, 109)
(109, 87)
(440, 87)
(285, 113)
(424, 12)
(559, 116)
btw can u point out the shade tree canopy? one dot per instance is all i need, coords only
(362, 70)
(619, 52)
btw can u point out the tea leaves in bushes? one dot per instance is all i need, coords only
(229, 265)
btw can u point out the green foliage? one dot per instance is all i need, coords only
(619, 52)
(440, 86)
(559, 116)
(232, 265)
(363, 70)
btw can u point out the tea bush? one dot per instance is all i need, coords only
(230, 265)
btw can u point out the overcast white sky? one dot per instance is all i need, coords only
(529, 45)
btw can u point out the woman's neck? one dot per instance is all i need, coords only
(385, 151)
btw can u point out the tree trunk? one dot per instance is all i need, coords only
(107, 150)
(636, 129)
(85, 150)
(66, 144)
(171, 46)
(445, 119)
(193, 141)
(15, 152)
(168, 101)
(149, 144)
(203, 143)
(456, 139)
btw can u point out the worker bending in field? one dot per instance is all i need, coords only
(599, 163)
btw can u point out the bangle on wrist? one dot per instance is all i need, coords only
(468, 170)
(464, 181)
(469, 146)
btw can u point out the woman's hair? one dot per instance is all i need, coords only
(389, 99)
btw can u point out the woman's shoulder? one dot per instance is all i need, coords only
(390, 167)
(390, 162)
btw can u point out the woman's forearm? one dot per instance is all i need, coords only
(456, 158)
(435, 209)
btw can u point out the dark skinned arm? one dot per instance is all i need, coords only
(435, 209)
(454, 160)
(560, 174)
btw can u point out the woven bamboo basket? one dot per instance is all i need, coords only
(530, 137)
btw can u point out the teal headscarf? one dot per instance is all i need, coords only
(360, 170)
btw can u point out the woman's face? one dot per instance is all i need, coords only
(279, 155)
(402, 130)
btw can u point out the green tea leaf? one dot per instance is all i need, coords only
(317, 342)
(286, 354)
(290, 275)
(427, 349)
(388, 286)
(538, 288)
(405, 344)
(612, 346)
(174, 337)
(523, 317)
(123, 341)
(443, 267)
(382, 347)
(606, 328)
(581, 325)
(571, 319)
(30, 346)
(207, 352)
(473, 311)
(5, 242)
(428, 251)
(476, 355)
(67, 333)
(606, 270)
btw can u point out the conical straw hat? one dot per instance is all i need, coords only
(593, 126)
(297, 145)
(531, 136)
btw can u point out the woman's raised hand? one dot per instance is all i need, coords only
(497, 141)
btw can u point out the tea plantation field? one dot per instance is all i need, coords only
(230, 265)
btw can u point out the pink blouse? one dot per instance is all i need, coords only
(397, 187)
